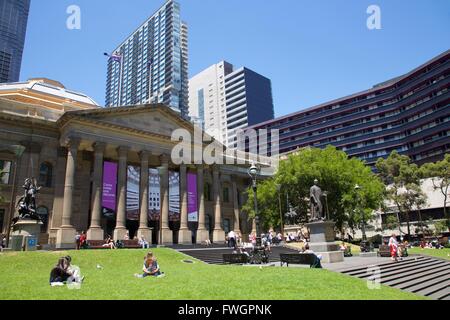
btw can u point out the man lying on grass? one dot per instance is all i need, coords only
(151, 267)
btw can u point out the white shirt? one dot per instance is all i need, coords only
(232, 235)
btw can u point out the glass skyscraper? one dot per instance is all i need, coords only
(151, 65)
(13, 27)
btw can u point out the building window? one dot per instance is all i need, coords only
(226, 195)
(45, 175)
(5, 171)
(42, 212)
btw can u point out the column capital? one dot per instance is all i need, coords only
(122, 151)
(99, 147)
(73, 142)
(144, 155)
(164, 158)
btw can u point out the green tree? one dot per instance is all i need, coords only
(391, 223)
(337, 175)
(403, 184)
(439, 173)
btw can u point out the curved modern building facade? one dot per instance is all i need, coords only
(410, 114)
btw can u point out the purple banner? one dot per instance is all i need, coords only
(192, 197)
(109, 189)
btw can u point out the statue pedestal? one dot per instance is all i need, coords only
(322, 241)
(25, 234)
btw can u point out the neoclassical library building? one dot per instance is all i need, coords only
(108, 171)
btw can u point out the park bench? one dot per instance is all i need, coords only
(235, 258)
(299, 258)
(385, 252)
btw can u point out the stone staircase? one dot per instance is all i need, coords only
(425, 276)
(214, 255)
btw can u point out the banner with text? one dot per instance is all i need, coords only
(192, 197)
(174, 196)
(154, 195)
(133, 180)
(109, 194)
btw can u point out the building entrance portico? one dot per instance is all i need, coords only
(127, 150)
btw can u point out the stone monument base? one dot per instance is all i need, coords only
(26, 229)
(322, 241)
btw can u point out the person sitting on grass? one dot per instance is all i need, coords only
(63, 272)
(151, 267)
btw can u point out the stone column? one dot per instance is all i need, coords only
(34, 152)
(184, 235)
(237, 213)
(121, 230)
(218, 234)
(167, 235)
(202, 233)
(58, 197)
(65, 237)
(95, 231)
(144, 230)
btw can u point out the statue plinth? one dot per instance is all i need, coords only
(25, 229)
(322, 241)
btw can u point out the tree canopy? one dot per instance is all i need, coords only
(337, 174)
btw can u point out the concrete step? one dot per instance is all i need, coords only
(399, 273)
(405, 262)
(424, 280)
(396, 281)
(430, 287)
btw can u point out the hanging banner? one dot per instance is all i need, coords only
(192, 197)
(154, 195)
(133, 179)
(109, 194)
(174, 196)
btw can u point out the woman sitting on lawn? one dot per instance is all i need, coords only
(64, 272)
(151, 267)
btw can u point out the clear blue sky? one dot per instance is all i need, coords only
(313, 51)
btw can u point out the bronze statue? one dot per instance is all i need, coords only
(27, 204)
(317, 212)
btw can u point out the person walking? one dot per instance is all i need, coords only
(393, 247)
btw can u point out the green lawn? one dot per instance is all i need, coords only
(443, 254)
(25, 276)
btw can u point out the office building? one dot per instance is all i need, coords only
(13, 27)
(224, 100)
(410, 114)
(151, 65)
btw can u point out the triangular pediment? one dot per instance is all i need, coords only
(156, 119)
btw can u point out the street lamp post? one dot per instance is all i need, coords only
(253, 172)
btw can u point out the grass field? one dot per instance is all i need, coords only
(26, 276)
(443, 254)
